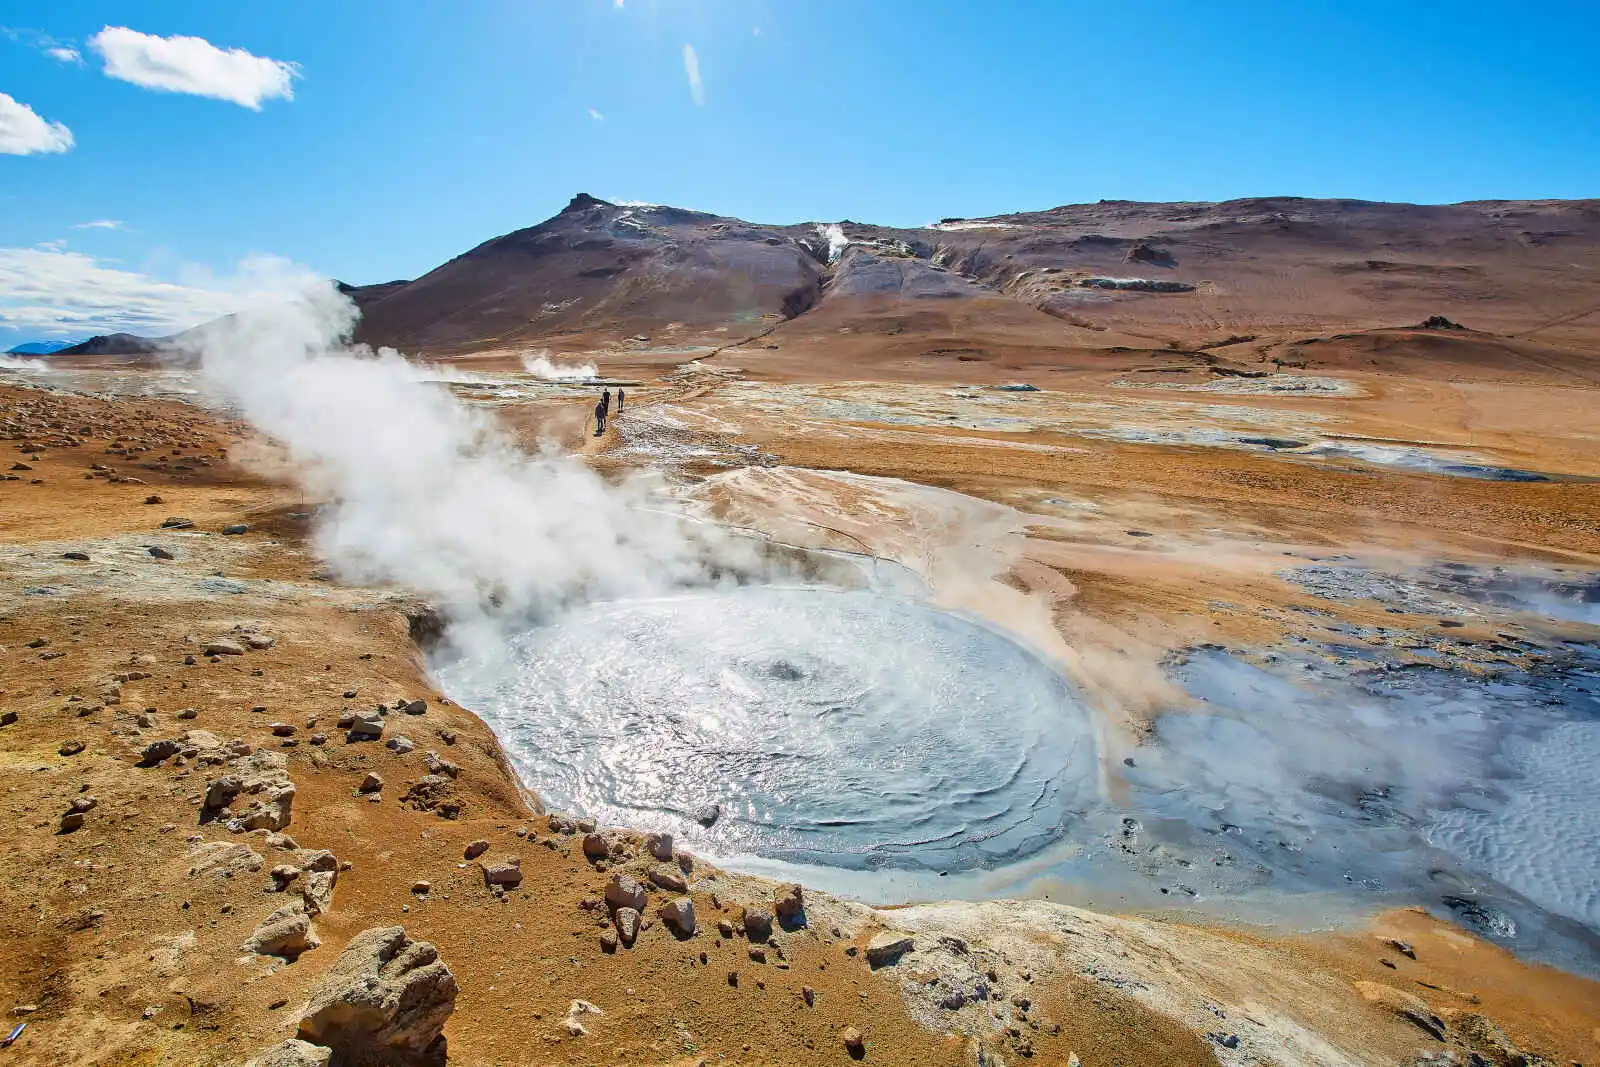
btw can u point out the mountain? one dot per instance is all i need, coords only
(1279, 281)
(116, 344)
(39, 348)
(1265, 271)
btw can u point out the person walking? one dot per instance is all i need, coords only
(601, 409)
(620, 397)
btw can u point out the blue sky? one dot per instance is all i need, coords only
(417, 130)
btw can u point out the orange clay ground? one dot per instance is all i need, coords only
(120, 940)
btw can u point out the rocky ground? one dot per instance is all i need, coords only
(241, 817)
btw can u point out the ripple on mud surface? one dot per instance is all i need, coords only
(850, 729)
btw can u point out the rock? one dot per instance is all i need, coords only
(627, 920)
(789, 903)
(385, 1000)
(154, 499)
(887, 948)
(187, 713)
(401, 744)
(669, 880)
(678, 915)
(757, 924)
(560, 824)
(422, 888)
(318, 739)
(372, 783)
(258, 641)
(808, 995)
(608, 941)
(367, 726)
(72, 820)
(8, 718)
(285, 933)
(173, 522)
(660, 846)
(156, 751)
(414, 707)
(624, 892)
(223, 859)
(724, 928)
(283, 729)
(431, 792)
(81, 557)
(234, 529)
(223, 646)
(572, 1021)
(595, 847)
(221, 792)
(475, 849)
(1402, 947)
(438, 765)
(707, 814)
(757, 954)
(158, 552)
(292, 1053)
(283, 874)
(70, 748)
(506, 873)
(854, 1043)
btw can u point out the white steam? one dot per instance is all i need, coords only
(24, 366)
(540, 365)
(833, 233)
(425, 492)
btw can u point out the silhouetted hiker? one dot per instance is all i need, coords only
(620, 397)
(601, 408)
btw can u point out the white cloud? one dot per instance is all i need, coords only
(194, 65)
(22, 133)
(691, 67)
(48, 290)
(65, 55)
(596, 115)
(100, 224)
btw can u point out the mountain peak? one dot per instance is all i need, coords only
(583, 202)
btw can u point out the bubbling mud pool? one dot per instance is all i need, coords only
(843, 729)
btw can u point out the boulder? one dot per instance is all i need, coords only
(287, 933)
(790, 904)
(595, 847)
(508, 873)
(367, 726)
(476, 849)
(223, 646)
(156, 751)
(887, 948)
(757, 924)
(660, 846)
(669, 879)
(385, 1000)
(624, 892)
(292, 1053)
(678, 915)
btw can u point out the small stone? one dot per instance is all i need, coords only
(366, 726)
(854, 1043)
(81, 557)
(808, 995)
(71, 821)
(400, 744)
(83, 804)
(757, 954)
(421, 888)
(707, 814)
(608, 941)
(236, 528)
(154, 499)
(173, 522)
(725, 928)
(283, 729)
(8, 718)
(156, 751)
(319, 739)
(371, 783)
(660, 846)
(414, 707)
(476, 849)
(158, 552)
(187, 713)
(627, 920)
(223, 646)
(436, 764)
(258, 641)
